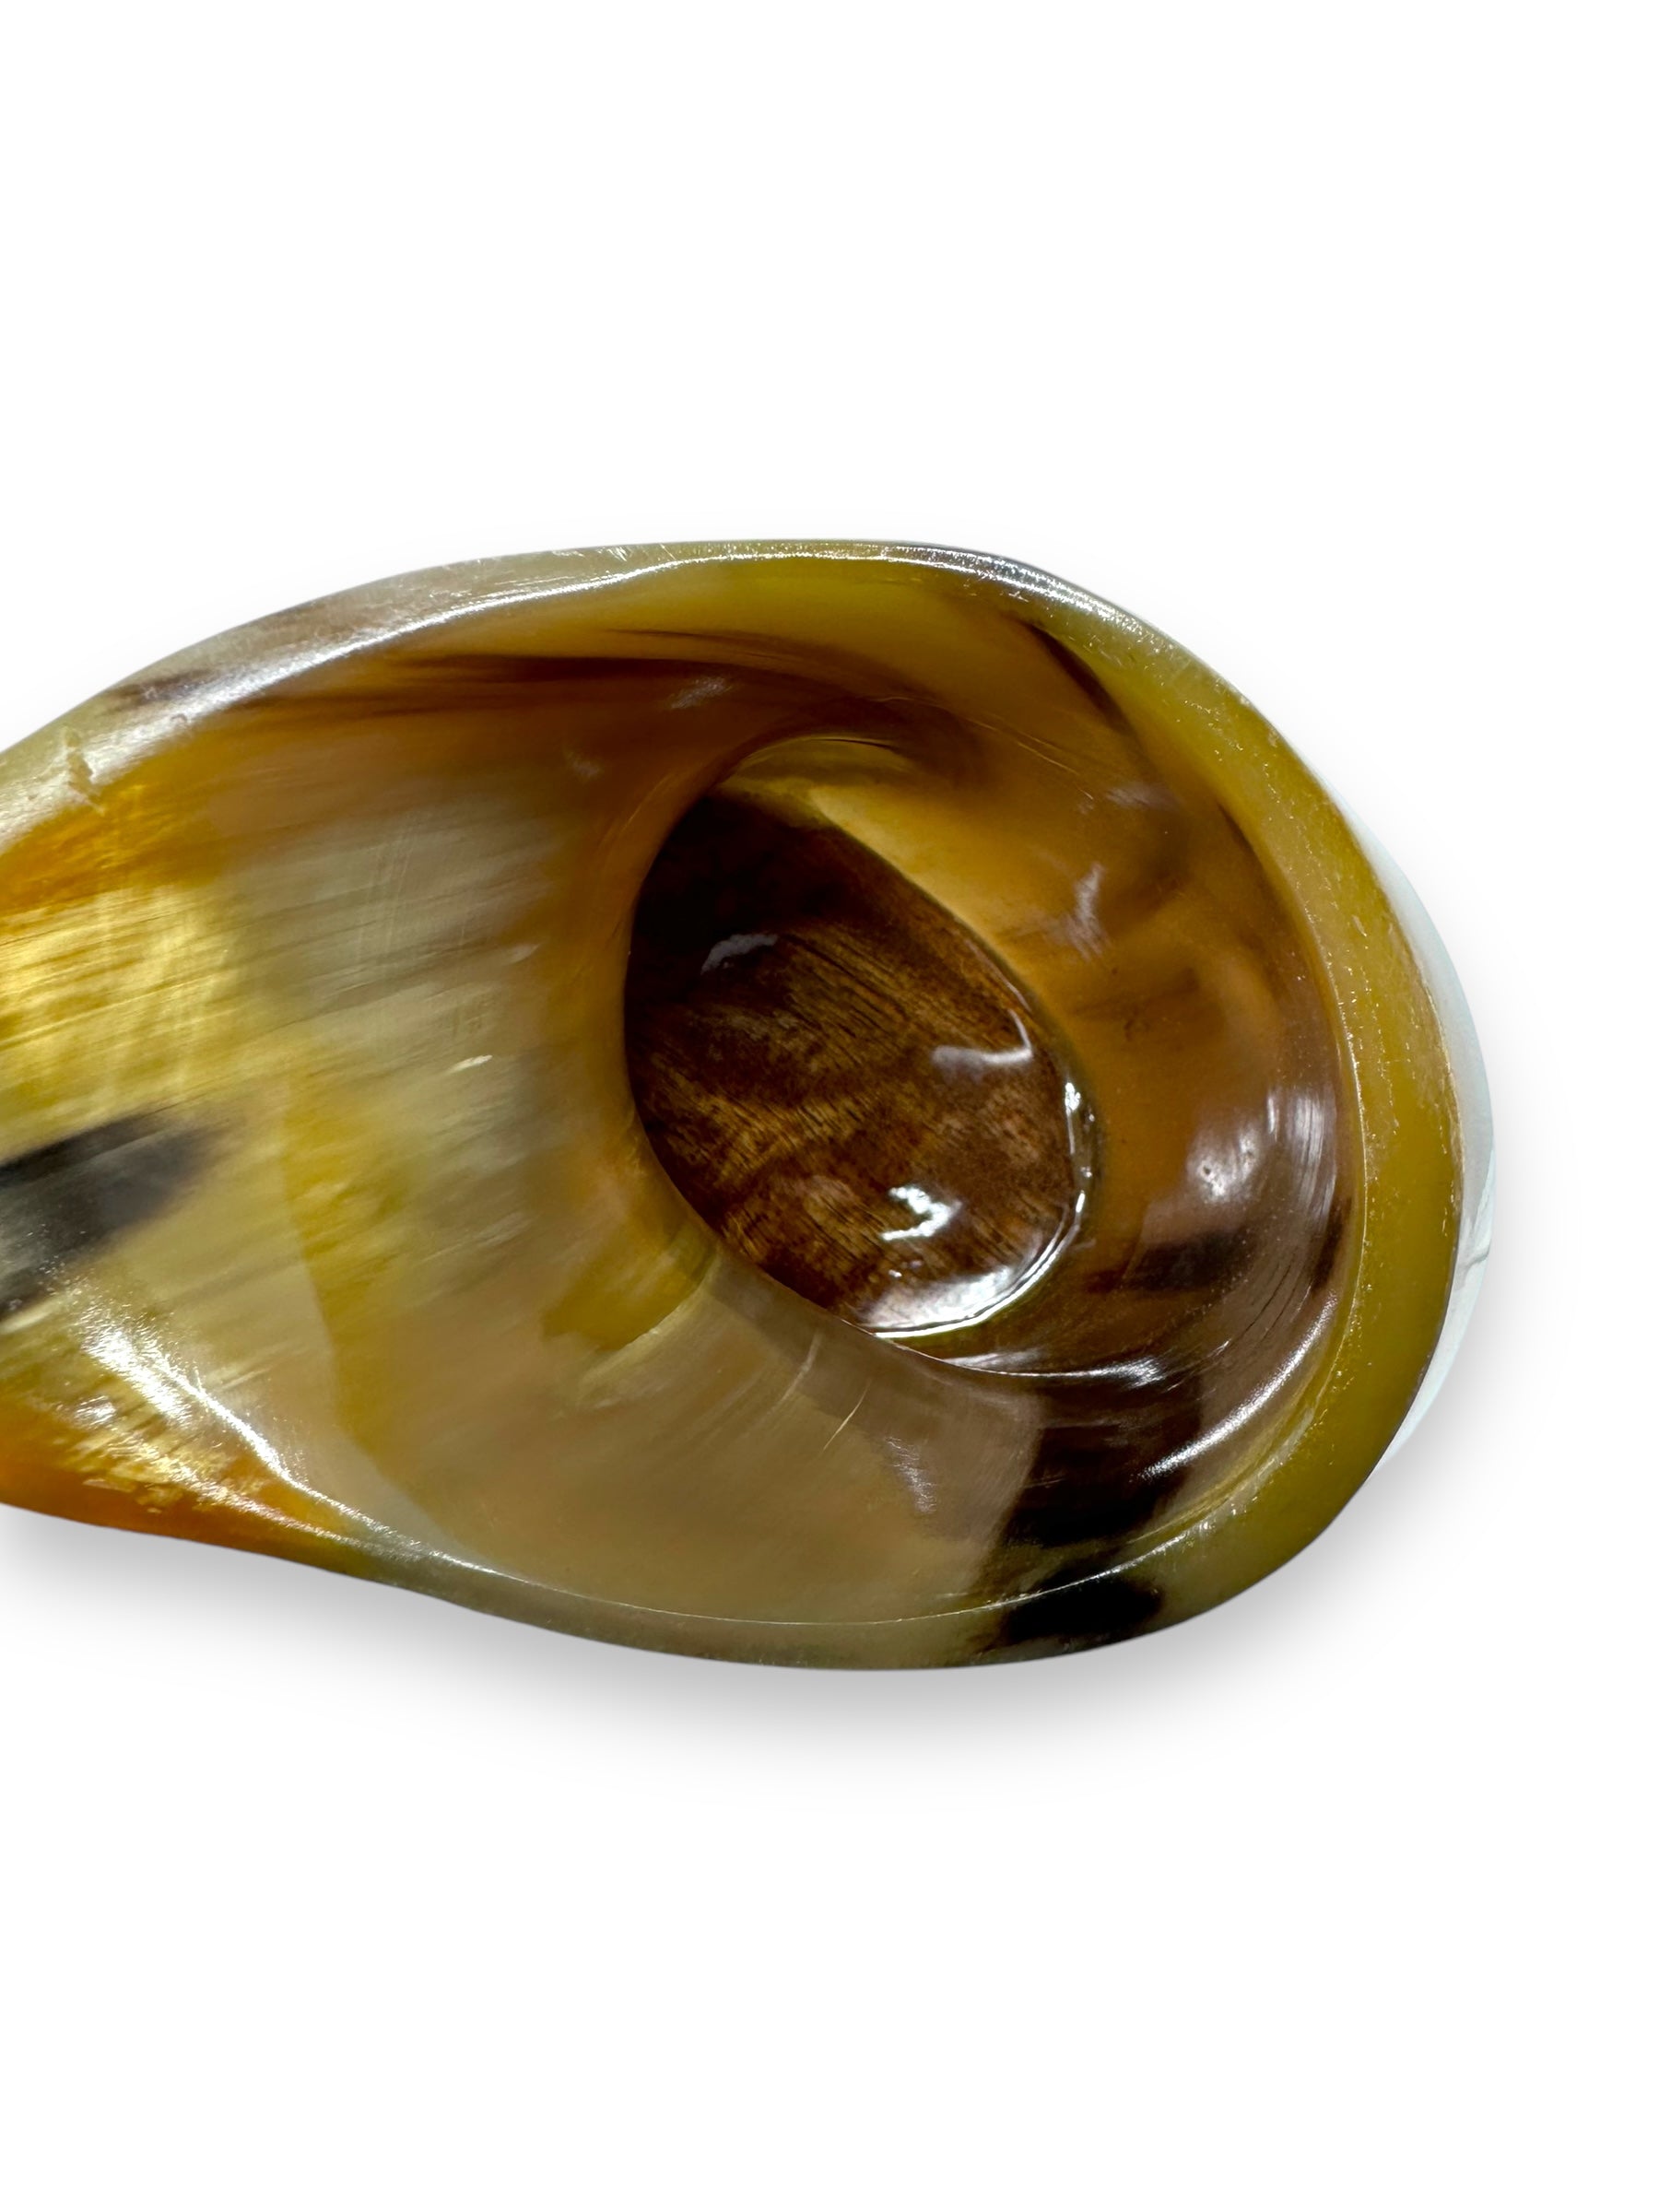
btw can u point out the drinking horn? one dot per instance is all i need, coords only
(841, 1104)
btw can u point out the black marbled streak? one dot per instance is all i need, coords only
(1205, 1263)
(1085, 678)
(1071, 1615)
(1330, 1246)
(1099, 1471)
(62, 1202)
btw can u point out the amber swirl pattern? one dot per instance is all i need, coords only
(836, 1104)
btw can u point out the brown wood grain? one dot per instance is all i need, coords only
(839, 1077)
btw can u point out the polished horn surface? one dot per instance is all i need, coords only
(827, 1103)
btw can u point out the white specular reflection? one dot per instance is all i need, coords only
(173, 1394)
(921, 1309)
(970, 1059)
(1222, 1164)
(932, 1214)
(183, 1400)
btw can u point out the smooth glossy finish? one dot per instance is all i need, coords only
(846, 1105)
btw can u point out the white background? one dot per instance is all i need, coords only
(1319, 335)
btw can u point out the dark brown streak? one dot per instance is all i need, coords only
(1084, 677)
(61, 1204)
